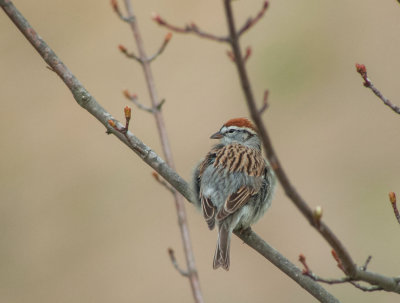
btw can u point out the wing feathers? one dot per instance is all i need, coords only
(235, 158)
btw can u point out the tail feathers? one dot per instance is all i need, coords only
(221, 257)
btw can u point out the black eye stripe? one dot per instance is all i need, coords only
(244, 131)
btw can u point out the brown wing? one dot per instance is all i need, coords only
(208, 211)
(208, 208)
(236, 201)
(239, 158)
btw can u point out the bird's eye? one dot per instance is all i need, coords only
(231, 131)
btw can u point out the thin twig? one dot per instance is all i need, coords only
(308, 272)
(247, 54)
(167, 38)
(133, 98)
(175, 263)
(364, 267)
(265, 103)
(159, 119)
(362, 70)
(115, 6)
(188, 29)
(130, 55)
(393, 202)
(157, 177)
(252, 21)
(366, 288)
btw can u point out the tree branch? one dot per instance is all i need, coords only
(88, 102)
(362, 70)
(347, 279)
(349, 267)
(270, 151)
(159, 119)
(188, 29)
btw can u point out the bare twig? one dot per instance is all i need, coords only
(188, 29)
(175, 263)
(115, 6)
(130, 55)
(159, 119)
(393, 201)
(157, 177)
(167, 38)
(364, 267)
(134, 99)
(307, 271)
(362, 70)
(252, 21)
(265, 102)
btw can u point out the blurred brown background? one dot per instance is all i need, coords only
(81, 219)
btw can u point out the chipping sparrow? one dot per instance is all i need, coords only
(234, 184)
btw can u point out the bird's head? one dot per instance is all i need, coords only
(238, 130)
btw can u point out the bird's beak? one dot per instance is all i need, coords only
(217, 135)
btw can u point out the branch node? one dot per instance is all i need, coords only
(159, 106)
(167, 38)
(129, 55)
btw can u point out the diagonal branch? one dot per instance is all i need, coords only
(88, 102)
(188, 29)
(252, 21)
(349, 267)
(167, 38)
(362, 70)
(270, 151)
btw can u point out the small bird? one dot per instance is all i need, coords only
(233, 184)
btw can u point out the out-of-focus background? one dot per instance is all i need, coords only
(82, 220)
